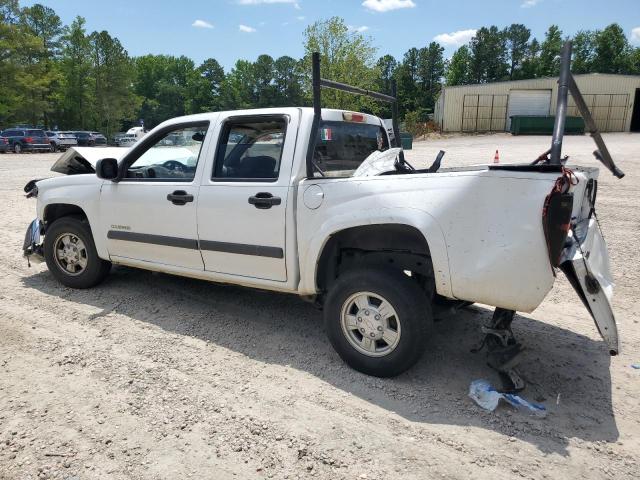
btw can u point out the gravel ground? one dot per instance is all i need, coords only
(151, 376)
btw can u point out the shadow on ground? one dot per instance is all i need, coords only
(569, 373)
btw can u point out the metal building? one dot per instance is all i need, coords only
(614, 102)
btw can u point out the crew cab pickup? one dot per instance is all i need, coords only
(318, 203)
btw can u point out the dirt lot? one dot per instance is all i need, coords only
(152, 376)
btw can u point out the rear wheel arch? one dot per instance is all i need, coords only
(399, 246)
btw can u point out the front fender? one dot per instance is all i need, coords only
(82, 191)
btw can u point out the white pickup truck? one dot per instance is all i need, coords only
(317, 203)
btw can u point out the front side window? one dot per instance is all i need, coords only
(342, 146)
(250, 149)
(174, 156)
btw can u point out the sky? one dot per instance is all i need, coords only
(228, 30)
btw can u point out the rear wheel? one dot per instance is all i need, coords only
(378, 320)
(17, 148)
(71, 254)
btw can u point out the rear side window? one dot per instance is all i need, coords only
(342, 146)
(250, 149)
(36, 133)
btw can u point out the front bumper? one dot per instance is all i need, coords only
(32, 248)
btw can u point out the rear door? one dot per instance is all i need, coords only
(244, 196)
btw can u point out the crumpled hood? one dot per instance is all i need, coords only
(78, 160)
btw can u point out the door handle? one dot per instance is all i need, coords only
(264, 200)
(180, 197)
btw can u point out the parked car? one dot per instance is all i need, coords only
(124, 139)
(27, 140)
(4, 144)
(61, 140)
(315, 202)
(90, 139)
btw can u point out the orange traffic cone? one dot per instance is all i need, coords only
(496, 157)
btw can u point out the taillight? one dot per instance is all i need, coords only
(28, 139)
(353, 117)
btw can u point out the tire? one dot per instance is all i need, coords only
(412, 318)
(54, 148)
(17, 148)
(88, 269)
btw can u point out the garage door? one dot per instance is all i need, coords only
(528, 102)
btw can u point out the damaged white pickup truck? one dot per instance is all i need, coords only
(318, 203)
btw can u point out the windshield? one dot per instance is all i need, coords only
(341, 147)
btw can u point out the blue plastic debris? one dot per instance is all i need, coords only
(636, 366)
(488, 398)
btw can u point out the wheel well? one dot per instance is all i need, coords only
(396, 245)
(58, 210)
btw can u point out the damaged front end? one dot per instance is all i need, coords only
(32, 247)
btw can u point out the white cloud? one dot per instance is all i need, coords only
(387, 5)
(529, 3)
(201, 24)
(360, 29)
(300, 17)
(455, 38)
(635, 36)
(246, 28)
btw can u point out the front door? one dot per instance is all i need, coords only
(150, 215)
(243, 197)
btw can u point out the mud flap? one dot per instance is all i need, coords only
(585, 262)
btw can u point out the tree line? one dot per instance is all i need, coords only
(64, 76)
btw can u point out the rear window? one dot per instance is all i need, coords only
(342, 146)
(36, 133)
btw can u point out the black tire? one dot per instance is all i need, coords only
(17, 148)
(54, 147)
(96, 269)
(412, 308)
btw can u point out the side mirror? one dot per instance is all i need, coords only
(107, 168)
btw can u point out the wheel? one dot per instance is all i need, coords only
(378, 320)
(71, 254)
(17, 148)
(53, 148)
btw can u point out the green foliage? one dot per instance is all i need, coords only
(64, 76)
(346, 57)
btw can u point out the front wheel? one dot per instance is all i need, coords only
(378, 320)
(71, 254)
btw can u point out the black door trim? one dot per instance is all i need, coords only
(192, 244)
(153, 239)
(242, 249)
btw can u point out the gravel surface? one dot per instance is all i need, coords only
(151, 376)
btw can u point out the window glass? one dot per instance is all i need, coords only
(173, 157)
(251, 148)
(342, 146)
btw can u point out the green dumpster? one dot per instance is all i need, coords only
(406, 140)
(543, 125)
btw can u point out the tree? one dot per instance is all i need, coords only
(516, 38)
(612, 51)
(458, 69)
(346, 56)
(531, 62)
(549, 60)
(430, 71)
(43, 23)
(583, 51)
(75, 68)
(112, 75)
(288, 79)
(488, 50)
